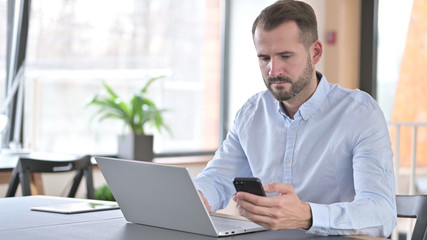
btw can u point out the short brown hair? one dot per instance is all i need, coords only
(288, 10)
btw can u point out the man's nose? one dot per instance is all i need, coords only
(276, 68)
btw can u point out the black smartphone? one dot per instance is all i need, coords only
(250, 185)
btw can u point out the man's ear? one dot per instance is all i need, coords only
(316, 51)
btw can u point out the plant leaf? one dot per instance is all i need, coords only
(145, 88)
(135, 114)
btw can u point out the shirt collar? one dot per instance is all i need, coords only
(309, 108)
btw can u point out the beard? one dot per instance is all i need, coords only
(280, 93)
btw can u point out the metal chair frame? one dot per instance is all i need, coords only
(414, 206)
(26, 164)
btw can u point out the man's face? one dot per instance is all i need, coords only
(285, 63)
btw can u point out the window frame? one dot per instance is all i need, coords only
(369, 20)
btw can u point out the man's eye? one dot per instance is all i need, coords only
(286, 56)
(264, 59)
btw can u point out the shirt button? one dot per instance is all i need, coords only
(288, 161)
(293, 129)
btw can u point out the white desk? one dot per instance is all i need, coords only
(17, 221)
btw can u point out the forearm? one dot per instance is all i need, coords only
(373, 210)
(215, 182)
(211, 189)
(373, 217)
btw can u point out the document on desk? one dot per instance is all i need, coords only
(80, 207)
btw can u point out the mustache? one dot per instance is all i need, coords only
(278, 79)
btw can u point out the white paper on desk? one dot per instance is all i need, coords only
(81, 207)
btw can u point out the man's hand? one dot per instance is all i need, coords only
(205, 201)
(285, 211)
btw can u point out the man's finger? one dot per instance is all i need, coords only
(253, 209)
(252, 198)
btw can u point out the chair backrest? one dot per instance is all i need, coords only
(414, 206)
(60, 164)
(51, 163)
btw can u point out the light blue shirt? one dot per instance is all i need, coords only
(336, 153)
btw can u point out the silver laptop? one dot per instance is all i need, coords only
(165, 196)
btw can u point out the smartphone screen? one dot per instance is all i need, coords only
(250, 185)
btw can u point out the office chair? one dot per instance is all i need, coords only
(414, 206)
(39, 164)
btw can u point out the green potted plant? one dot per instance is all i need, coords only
(104, 193)
(136, 114)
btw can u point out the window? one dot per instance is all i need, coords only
(392, 34)
(3, 22)
(402, 57)
(74, 45)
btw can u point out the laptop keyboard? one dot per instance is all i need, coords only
(226, 224)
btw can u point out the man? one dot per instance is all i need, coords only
(323, 151)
